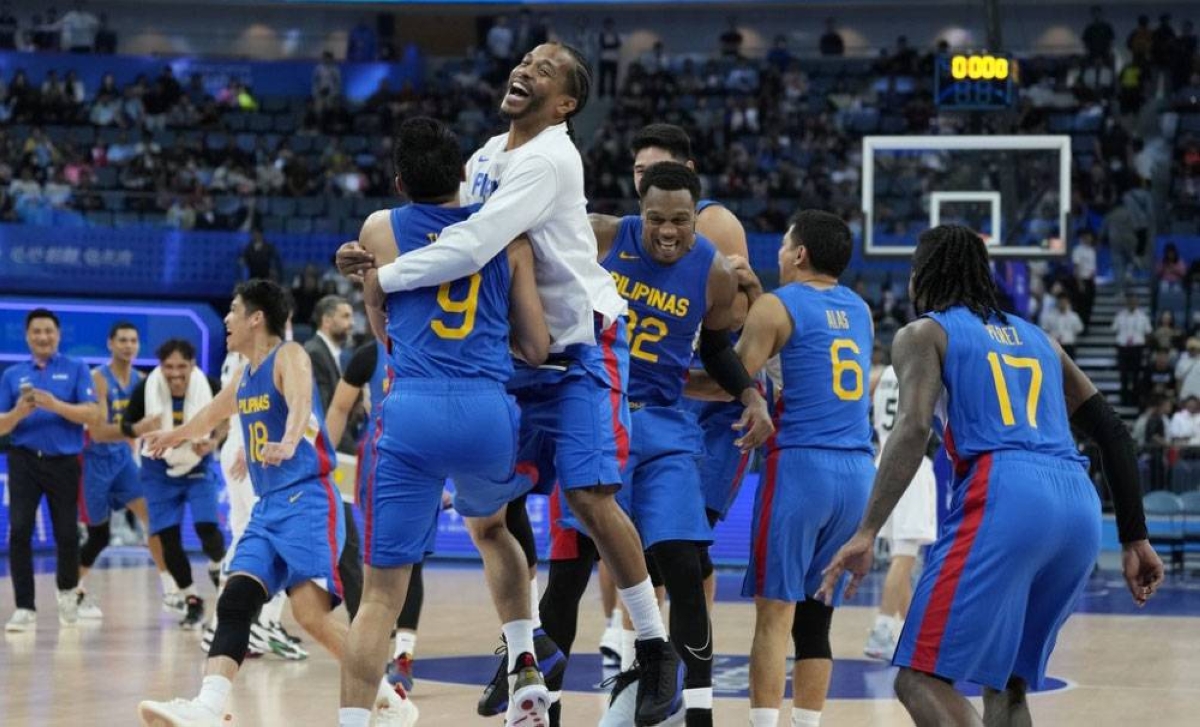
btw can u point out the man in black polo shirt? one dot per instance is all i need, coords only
(45, 403)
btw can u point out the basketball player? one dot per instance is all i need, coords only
(1024, 529)
(724, 464)
(184, 478)
(289, 458)
(110, 474)
(819, 464)
(267, 635)
(531, 179)
(449, 364)
(911, 526)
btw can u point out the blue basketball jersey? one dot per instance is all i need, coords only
(666, 307)
(377, 387)
(1003, 389)
(263, 413)
(458, 330)
(118, 401)
(705, 204)
(825, 364)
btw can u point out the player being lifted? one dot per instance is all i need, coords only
(1023, 531)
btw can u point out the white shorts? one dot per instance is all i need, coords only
(914, 521)
(241, 491)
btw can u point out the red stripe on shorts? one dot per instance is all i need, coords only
(80, 500)
(941, 600)
(564, 541)
(762, 537)
(334, 501)
(613, 369)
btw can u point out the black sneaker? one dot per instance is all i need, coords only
(195, 613)
(660, 683)
(551, 660)
(494, 699)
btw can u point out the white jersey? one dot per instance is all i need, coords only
(883, 405)
(239, 489)
(535, 189)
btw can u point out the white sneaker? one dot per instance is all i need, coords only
(177, 713)
(23, 619)
(270, 638)
(174, 603)
(393, 709)
(881, 644)
(529, 699)
(610, 647)
(68, 608)
(88, 606)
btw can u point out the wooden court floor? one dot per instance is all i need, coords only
(1121, 669)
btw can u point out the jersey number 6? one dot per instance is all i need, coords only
(843, 365)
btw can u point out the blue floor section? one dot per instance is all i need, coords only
(1105, 592)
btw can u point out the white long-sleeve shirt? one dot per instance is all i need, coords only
(1131, 327)
(535, 189)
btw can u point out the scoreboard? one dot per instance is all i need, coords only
(975, 81)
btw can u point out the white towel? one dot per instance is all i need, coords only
(181, 459)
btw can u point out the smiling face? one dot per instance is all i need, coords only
(537, 86)
(42, 337)
(177, 371)
(239, 327)
(668, 224)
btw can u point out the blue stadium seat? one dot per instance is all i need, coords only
(260, 123)
(247, 142)
(126, 219)
(113, 201)
(82, 135)
(299, 226)
(273, 223)
(282, 206)
(100, 218)
(325, 225)
(106, 177)
(310, 206)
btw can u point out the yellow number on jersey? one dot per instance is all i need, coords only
(465, 308)
(258, 441)
(642, 332)
(1035, 387)
(841, 366)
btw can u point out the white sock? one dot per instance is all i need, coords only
(168, 583)
(628, 651)
(890, 622)
(642, 606)
(699, 698)
(762, 717)
(805, 718)
(272, 611)
(189, 591)
(406, 643)
(214, 693)
(534, 600)
(354, 717)
(519, 637)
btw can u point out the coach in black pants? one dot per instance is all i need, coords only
(45, 403)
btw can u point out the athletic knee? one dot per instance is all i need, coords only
(706, 564)
(810, 630)
(487, 528)
(237, 608)
(907, 685)
(97, 541)
(170, 537)
(678, 564)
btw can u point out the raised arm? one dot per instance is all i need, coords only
(213, 417)
(522, 203)
(526, 318)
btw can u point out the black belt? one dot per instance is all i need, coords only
(39, 454)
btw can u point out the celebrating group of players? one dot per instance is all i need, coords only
(532, 349)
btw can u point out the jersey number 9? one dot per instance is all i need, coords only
(464, 307)
(842, 366)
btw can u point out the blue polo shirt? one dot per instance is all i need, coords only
(70, 381)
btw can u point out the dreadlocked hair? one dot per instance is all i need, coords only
(950, 267)
(579, 84)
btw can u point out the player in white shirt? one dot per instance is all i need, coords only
(913, 524)
(530, 180)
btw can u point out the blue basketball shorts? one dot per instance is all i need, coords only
(809, 503)
(577, 415)
(723, 466)
(433, 429)
(295, 535)
(1014, 555)
(110, 482)
(166, 497)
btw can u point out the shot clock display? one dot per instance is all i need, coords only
(978, 81)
